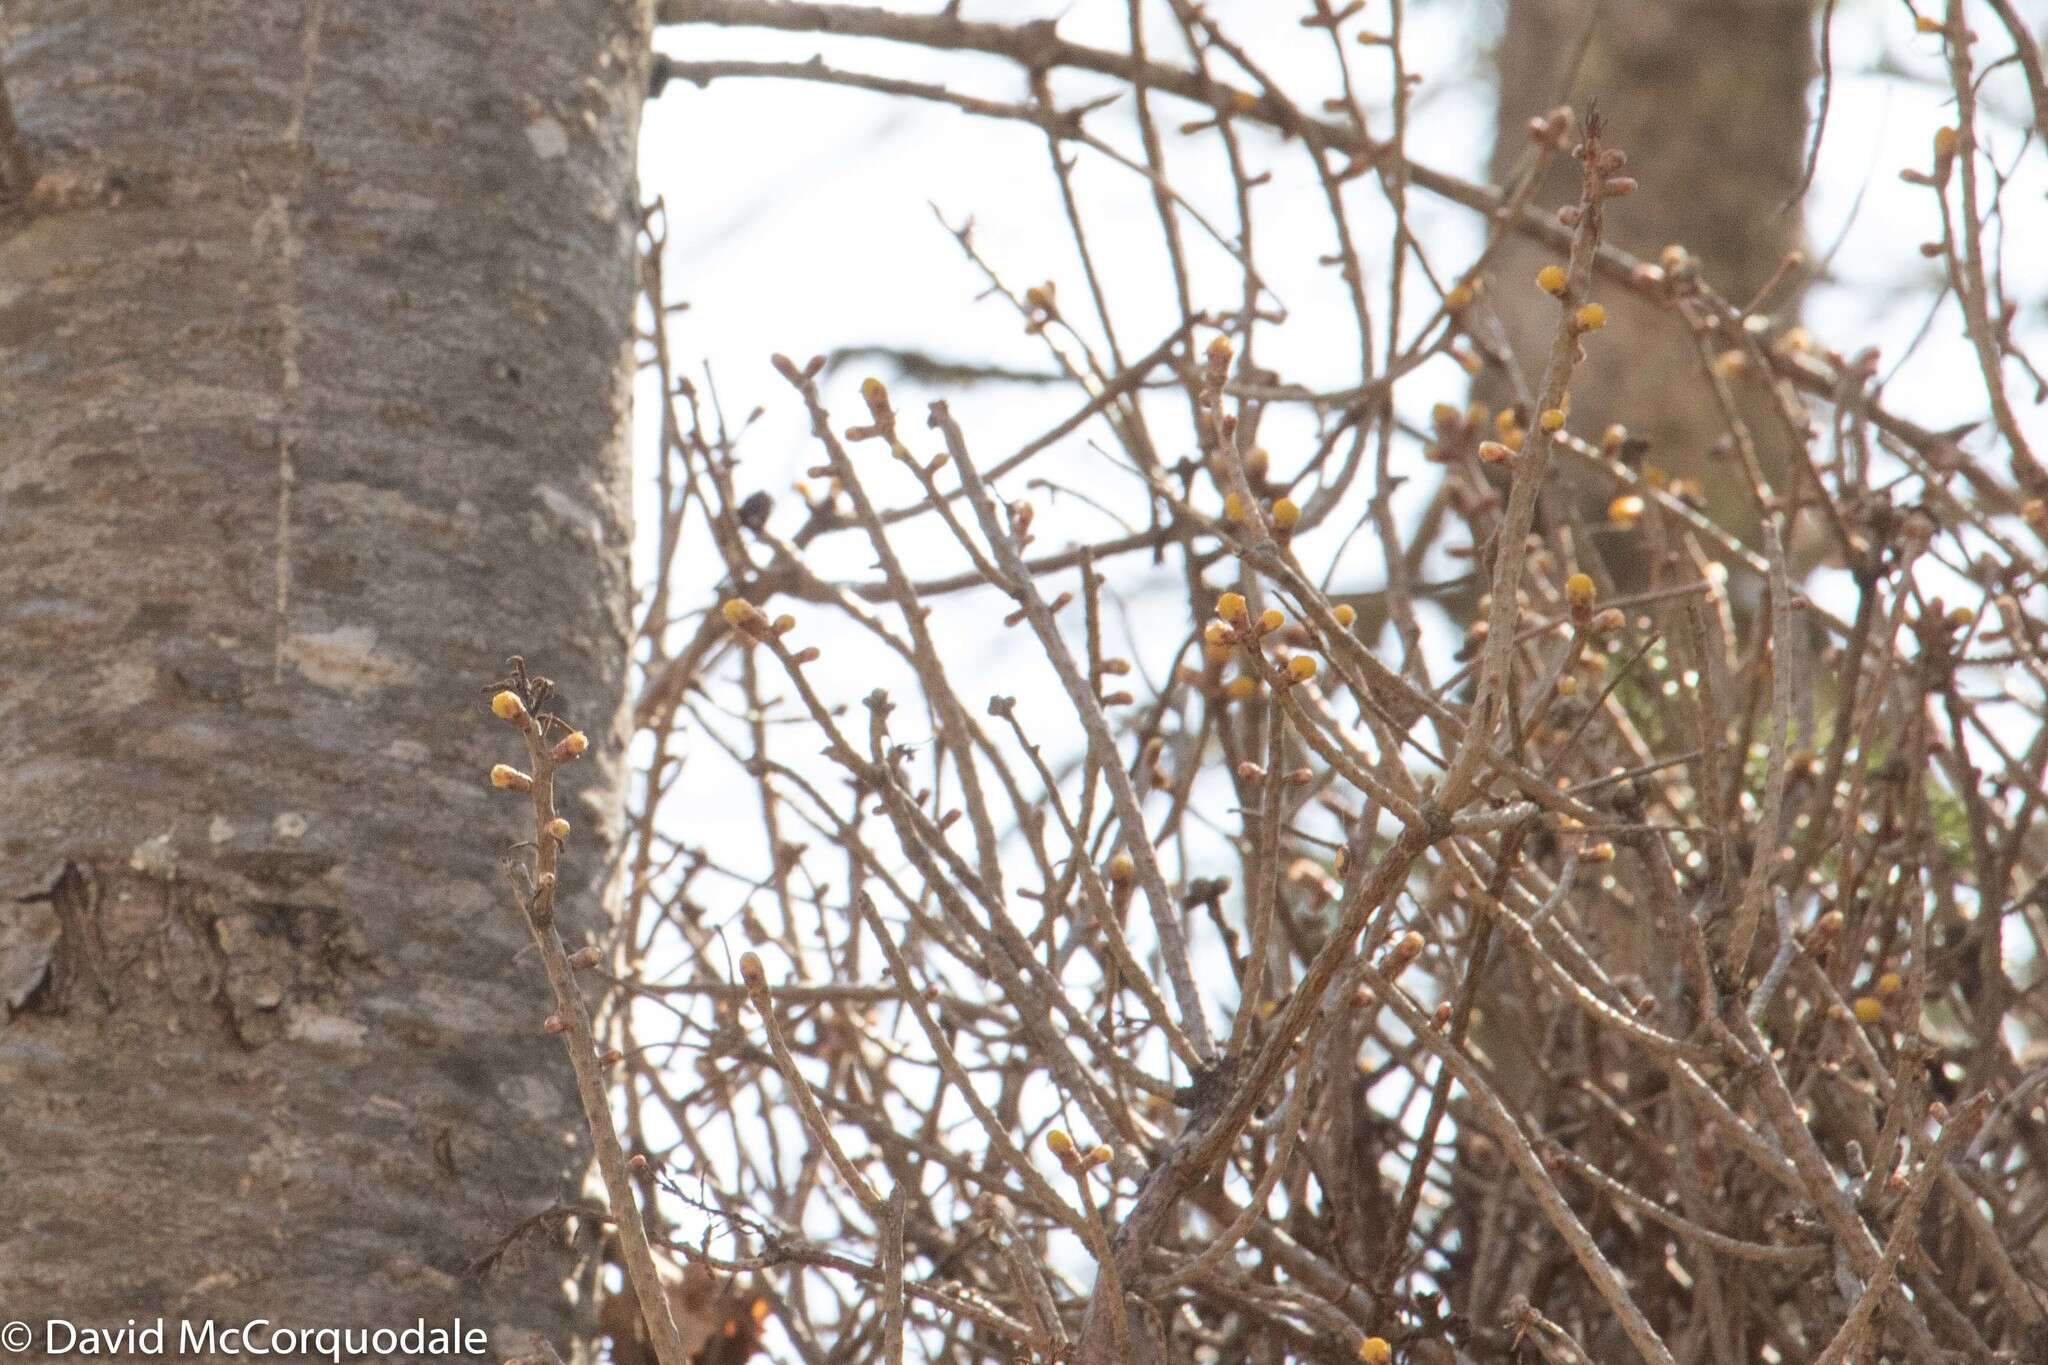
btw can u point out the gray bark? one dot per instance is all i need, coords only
(314, 387)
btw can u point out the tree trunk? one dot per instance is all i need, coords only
(314, 383)
(1708, 98)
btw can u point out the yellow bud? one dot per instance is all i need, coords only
(1231, 607)
(1602, 852)
(572, 745)
(1494, 452)
(1889, 985)
(1375, 1351)
(1233, 507)
(1242, 688)
(1513, 439)
(784, 624)
(1060, 1144)
(1445, 416)
(1301, 667)
(558, 829)
(1551, 279)
(1551, 419)
(1567, 686)
(1272, 619)
(1578, 590)
(1926, 23)
(1613, 439)
(1345, 614)
(737, 612)
(1869, 1009)
(1121, 869)
(751, 971)
(1220, 352)
(1504, 421)
(1590, 318)
(1625, 511)
(507, 778)
(1402, 951)
(1459, 299)
(1286, 514)
(1946, 140)
(507, 706)
(1216, 635)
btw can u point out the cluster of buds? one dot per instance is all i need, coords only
(749, 620)
(1676, 274)
(1607, 163)
(1579, 593)
(746, 618)
(1458, 428)
(1041, 308)
(1284, 514)
(1218, 358)
(1512, 434)
(1235, 628)
(1947, 143)
(1123, 882)
(1552, 129)
(1401, 953)
(875, 394)
(786, 367)
(1056, 606)
(1073, 1160)
(1021, 515)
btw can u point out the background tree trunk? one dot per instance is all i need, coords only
(314, 378)
(1708, 98)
